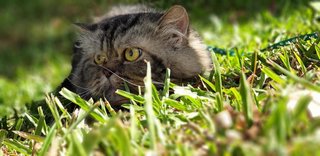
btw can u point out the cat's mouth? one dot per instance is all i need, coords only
(115, 83)
(115, 99)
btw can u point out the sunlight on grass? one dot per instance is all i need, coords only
(252, 103)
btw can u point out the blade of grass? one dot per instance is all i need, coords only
(175, 104)
(273, 75)
(237, 98)
(262, 80)
(134, 133)
(206, 117)
(76, 99)
(48, 140)
(317, 51)
(218, 81)
(194, 102)
(166, 87)
(54, 111)
(149, 108)
(207, 82)
(18, 126)
(254, 63)
(285, 59)
(99, 134)
(302, 81)
(219, 103)
(239, 57)
(41, 123)
(123, 139)
(103, 107)
(303, 67)
(302, 105)
(62, 109)
(78, 148)
(32, 119)
(109, 108)
(280, 122)
(16, 145)
(131, 96)
(3, 135)
(29, 136)
(156, 100)
(81, 118)
(247, 100)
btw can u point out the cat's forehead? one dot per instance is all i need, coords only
(122, 31)
(128, 29)
(130, 19)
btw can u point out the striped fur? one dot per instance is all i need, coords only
(165, 39)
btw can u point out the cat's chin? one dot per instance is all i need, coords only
(118, 102)
(115, 99)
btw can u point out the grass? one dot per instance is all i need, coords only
(252, 103)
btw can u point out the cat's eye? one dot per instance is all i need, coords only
(77, 45)
(100, 58)
(132, 54)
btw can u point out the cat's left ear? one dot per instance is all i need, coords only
(175, 18)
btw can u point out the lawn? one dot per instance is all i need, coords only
(254, 102)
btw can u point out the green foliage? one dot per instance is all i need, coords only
(252, 103)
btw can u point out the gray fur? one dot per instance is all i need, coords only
(166, 41)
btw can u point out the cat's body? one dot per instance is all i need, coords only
(113, 50)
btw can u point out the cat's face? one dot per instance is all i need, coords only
(115, 50)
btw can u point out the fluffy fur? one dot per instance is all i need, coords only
(165, 39)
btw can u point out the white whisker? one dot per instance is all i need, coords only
(119, 76)
(87, 89)
(154, 82)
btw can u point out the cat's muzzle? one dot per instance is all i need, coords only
(115, 83)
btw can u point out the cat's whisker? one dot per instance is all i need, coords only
(104, 93)
(84, 93)
(76, 76)
(84, 88)
(154, 82)
(119, 76)
(157, 83)
(67, 104)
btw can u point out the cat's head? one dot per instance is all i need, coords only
(115, 50)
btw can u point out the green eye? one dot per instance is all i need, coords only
(132, 54)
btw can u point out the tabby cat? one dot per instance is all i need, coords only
(114, 49)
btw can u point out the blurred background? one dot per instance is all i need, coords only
(36, 36)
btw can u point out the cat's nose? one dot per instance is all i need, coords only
(107, 73)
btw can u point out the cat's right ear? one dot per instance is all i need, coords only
(83, 30)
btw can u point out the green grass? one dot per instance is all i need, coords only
(252, 103)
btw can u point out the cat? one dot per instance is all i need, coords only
(115, 47)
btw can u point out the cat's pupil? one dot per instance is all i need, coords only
(131, 52)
